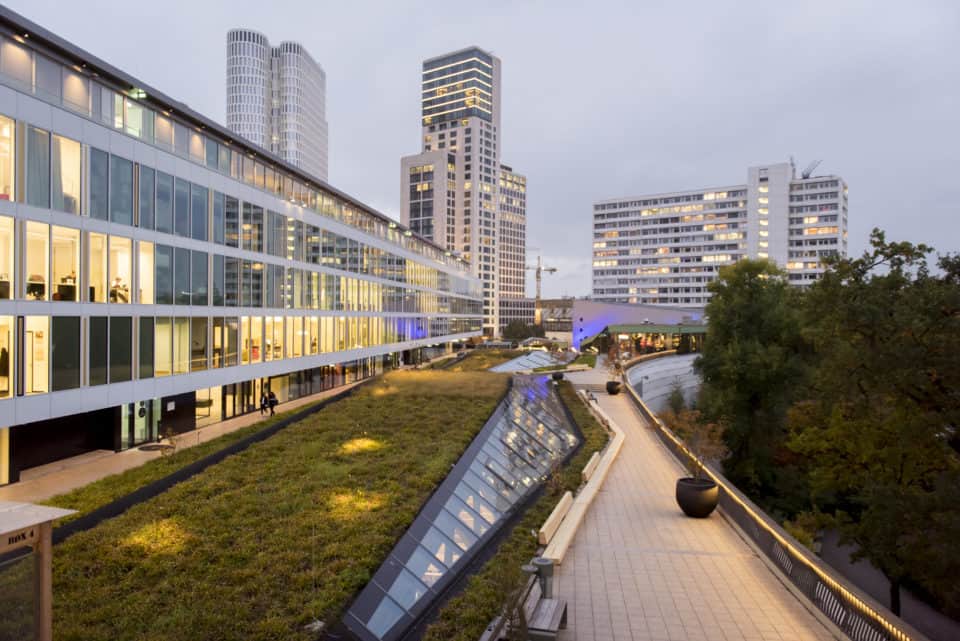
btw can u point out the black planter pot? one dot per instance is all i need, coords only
(697, 497)
(613, 387)
(558, 376)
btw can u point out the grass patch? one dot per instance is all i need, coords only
(587, 358)
(103, 491)
(290, 529)
(466, 616)
(483, 359)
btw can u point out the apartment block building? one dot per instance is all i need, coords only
(157, 273)
(451, 190)
(664, 248)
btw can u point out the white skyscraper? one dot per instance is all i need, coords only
(450, 192)
(276, 98)
(665, 248)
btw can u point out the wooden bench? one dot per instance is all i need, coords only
(545, 617)
(550, 526)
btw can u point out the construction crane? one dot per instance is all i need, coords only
(809, 170)
(538, 271)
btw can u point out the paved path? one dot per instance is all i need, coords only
(68, 474)
(640, 570)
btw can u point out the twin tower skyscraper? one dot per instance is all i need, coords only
(455, 192)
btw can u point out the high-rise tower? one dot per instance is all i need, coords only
(450, 192)
(276, 98)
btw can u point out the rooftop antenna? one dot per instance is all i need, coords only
(809, 170)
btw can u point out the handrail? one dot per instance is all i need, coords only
(853, 611)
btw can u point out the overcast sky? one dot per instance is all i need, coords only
(602, 99)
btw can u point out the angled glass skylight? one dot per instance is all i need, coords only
(514, 452)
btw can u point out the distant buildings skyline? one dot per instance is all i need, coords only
(276, 98)
(665, 248)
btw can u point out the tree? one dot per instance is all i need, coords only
(883, 408)
(518, 330)
(752, 360)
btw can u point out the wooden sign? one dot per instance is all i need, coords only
(18, 539)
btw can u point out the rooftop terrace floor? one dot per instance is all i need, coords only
(639, 569)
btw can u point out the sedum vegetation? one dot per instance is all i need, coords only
(103, 491)
(466, 616)
(483, 359)
(285, 532)
(842, 407)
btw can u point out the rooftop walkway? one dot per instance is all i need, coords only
(639, 569)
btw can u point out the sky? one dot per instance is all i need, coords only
(602, 99)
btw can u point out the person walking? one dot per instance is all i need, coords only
(264, 402)
(273, 402)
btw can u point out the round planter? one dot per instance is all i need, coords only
(558, 376)
(697, 497)
(613, 387)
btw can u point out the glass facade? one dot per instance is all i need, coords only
(527, 434)
(260, 264)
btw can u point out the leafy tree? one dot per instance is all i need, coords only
(752, 361)
(884, 406)
(518, 330)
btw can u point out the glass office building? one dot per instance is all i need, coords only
(157, 274)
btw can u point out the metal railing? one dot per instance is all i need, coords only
(855, 613)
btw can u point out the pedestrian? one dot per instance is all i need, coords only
(273, 402)
(264, 402)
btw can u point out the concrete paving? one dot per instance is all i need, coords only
(639, 569)
(39, 484)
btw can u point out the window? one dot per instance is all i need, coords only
(198, 206)
(164, 274)
(163, 132)
(121, 269)
(231, 281)
(232, 340)
(47, 78)
(36, 337)
(65, 352)
(252, 227)
(231, 208)
(97, 267)
(180, 139)
(216, 355)
(181, 208)
(145, 271)
(164, 207)
(211, 150)
(146, 337)
(37, 261)
(76, 91)
(198, 343)
(6, 158)
(199, 270)
(66, 175)
(256, 338)
(218, 223)
(66, 263)
(6, 356)
(38, 167)
(99, 183)
(163, 347)
(6, 257)
(121, 346)
(181, 276)
(146, 196)
(181, 345)
(17, 62)
(218, 265)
